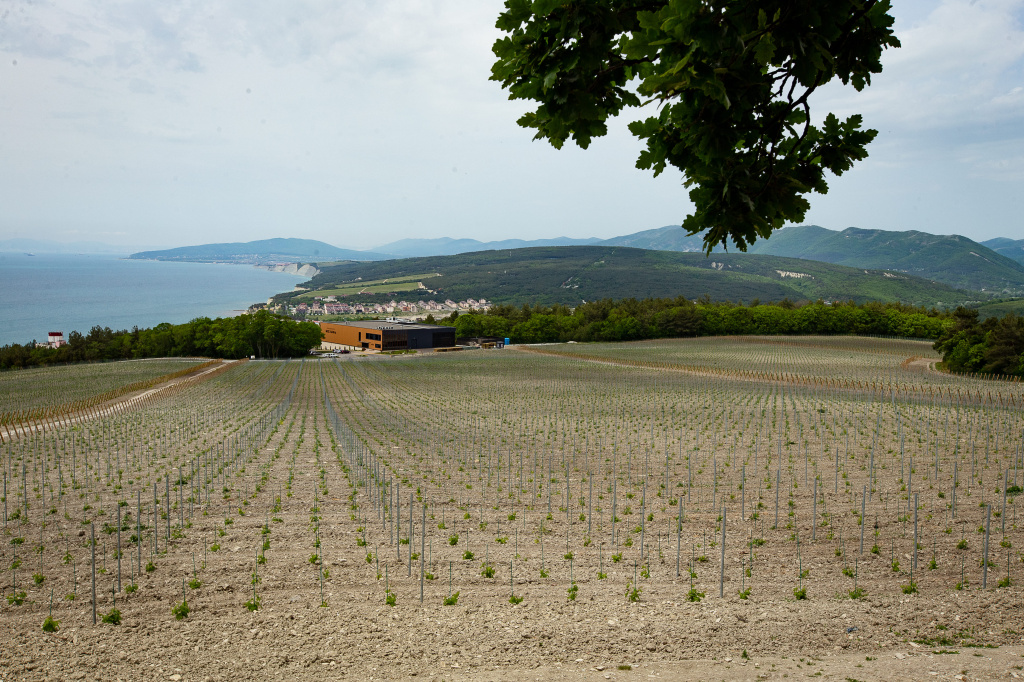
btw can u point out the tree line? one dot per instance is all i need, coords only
(262, 334)
(632, 319)
(995, 346)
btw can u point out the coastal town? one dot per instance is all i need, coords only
(329, 305)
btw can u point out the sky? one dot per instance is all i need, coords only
(142, 123)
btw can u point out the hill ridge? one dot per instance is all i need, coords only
(260, 251)
(954, 260)
(572, 274)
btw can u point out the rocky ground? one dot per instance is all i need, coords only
(342, 627)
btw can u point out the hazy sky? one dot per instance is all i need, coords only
(358, 123)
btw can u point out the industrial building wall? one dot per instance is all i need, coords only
(345, 336)
(348, 337)
(443, 339)
(420, 338)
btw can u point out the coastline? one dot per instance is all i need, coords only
(70, 292)
(288, 268)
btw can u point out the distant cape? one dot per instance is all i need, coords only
(263, 251)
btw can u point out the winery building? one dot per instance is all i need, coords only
(383, 335)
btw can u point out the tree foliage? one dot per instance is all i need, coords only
(995, 346)
(732, 80)
(261, 334)
(632, 319)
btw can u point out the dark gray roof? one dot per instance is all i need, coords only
(388, 324)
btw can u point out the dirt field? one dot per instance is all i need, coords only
(519, 460)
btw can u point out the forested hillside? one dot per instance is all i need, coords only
(571, 275)
(994, 267)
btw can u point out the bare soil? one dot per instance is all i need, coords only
(937, 633)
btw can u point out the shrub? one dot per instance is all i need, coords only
(181, 610)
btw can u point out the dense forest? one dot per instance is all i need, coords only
(994, 346)
(632, 319)
(261, 334)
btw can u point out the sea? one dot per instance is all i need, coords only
(63, 292)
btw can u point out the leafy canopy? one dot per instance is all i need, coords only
(995, 346)
(731, 80)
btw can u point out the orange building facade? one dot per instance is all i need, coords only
(382, 335)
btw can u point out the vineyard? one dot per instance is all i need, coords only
(747, 501)
(33, 394)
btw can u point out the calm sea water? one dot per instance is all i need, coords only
(50, 292)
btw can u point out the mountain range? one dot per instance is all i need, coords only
(261, 251)
(951, 259)
(994, 269)
(571, 274)
(446, 246)
(1011, 248)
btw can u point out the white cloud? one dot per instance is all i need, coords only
(948, 110)
(344, 120)
(956, 67)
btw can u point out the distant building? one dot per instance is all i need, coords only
(384, 335)
(53, 340)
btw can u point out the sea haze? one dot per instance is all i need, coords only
(58, 292)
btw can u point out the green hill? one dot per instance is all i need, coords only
(1001, 308)
(1011, 248)
(572, 274)
(260, 251)
(669, 238)
(951, 259)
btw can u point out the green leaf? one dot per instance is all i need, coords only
(731, 78)
(549, 80)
